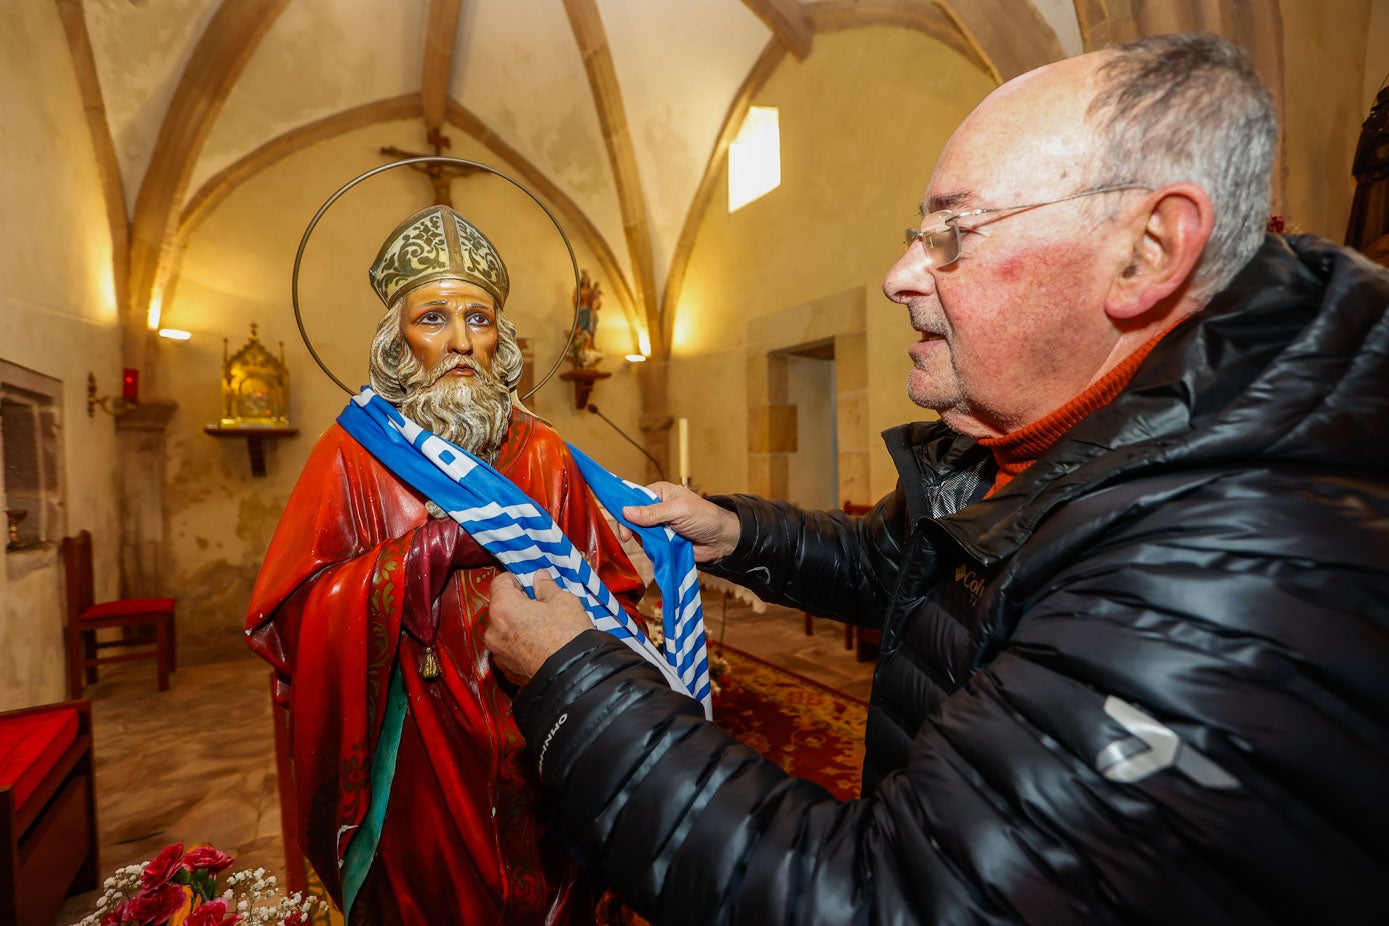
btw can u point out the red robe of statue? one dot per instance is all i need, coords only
(344, 594)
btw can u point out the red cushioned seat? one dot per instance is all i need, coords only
(48, 829)
(137, 619)
(128, 606)
(30, 745)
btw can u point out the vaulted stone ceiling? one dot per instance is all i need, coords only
(619, 111)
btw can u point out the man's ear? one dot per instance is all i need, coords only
(1167, 239)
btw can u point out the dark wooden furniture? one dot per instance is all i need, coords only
(255, 440)
(48, 831)
(85, 618)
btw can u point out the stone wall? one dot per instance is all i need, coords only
(236, 271)
(57, 319)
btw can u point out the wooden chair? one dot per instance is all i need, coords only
(85, 618)
(48, 831)
(856, 510)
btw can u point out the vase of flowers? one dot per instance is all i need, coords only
(196, 888)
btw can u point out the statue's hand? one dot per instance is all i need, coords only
(521, 634)
(714, 531)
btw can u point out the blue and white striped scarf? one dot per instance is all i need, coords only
(524, 538)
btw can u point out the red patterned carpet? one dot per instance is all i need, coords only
(811, 731)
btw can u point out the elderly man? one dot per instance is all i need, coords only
(1133, 585)
(416, 800)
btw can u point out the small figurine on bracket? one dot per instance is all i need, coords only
(588, 300)
(583, 351)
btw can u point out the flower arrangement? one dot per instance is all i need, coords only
(177, 888)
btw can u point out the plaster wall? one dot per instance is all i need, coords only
(237, 270)
(58, 318)
(858, 145)
(1325, 73)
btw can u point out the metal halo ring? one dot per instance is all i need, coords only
(430, 159)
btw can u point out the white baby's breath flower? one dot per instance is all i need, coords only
(253, 895)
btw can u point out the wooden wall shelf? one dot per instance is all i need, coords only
(583, 379)
(255, 441)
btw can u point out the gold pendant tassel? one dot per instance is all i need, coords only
(429, 664)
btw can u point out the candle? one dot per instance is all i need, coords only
(683, 439)
(130, 384)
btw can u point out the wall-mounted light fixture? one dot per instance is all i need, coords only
(174, 334)
(155, 310)
(112, 404)
(643, 339)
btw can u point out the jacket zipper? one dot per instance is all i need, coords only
(890, 638)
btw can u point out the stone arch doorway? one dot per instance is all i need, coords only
(830, 328)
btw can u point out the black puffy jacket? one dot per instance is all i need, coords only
(1146, 682)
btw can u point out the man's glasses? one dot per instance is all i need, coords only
(939, 233)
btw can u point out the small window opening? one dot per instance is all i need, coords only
(31, 450)
(754, 157)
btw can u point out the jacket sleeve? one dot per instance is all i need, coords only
(713, 850)
(1184, 727)
(825, 562)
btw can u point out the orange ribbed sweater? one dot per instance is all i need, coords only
(1017, 450)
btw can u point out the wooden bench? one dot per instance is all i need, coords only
(48, 832)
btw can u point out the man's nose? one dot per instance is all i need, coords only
(460, 337)
(910, 276)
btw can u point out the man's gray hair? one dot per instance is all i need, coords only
(392, 364)
(1174, 108)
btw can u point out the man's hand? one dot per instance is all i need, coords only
(521, 634)
(714, 531)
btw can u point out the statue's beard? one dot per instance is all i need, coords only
(473, 412)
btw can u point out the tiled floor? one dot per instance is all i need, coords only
(778, 636)
(195, 764)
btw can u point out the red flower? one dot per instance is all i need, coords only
(161, 868)
(206, 857)
(155, 906)
(212, 913)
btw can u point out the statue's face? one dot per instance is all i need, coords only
(449, 317)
